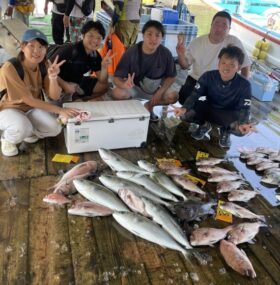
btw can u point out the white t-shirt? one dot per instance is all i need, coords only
(202, 55)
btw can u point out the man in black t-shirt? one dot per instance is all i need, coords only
(221, 97)
(83, 58)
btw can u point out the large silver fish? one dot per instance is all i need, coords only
(242, 195)
(150, 167)
(116, 183)
(162, 217)
(208, 236)
(244, 232)
(148, 183)
(237, 259)
(147, 229)
(99, 194)
(240, 212)
(166, 182)
(117, 162)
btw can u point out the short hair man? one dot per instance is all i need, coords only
(202, 53)
(221, 97)
(147, 70)
(81, 58)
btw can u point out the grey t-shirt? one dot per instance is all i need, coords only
(158, 65)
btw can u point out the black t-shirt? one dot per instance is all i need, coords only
(158, 65)
(230, 95)
(78, 62)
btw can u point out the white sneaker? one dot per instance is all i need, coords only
(8, 149)
(32, 139)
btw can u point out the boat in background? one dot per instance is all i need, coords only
(252, 21)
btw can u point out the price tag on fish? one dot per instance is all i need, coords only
(170, 161)
(201, 154)
(195, 179)
(223, 215)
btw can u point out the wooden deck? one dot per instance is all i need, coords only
(42, 244)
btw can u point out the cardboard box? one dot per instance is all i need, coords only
(263, 86)
(113, 124)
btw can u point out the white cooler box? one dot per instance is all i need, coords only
(113, 124)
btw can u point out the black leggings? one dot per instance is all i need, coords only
(205, 112)
(186, 89)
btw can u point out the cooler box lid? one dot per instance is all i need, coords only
(106, 110)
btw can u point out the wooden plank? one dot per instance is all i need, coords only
(14, 197)
(30, 163)
(83, 249)
(50, 260)
(115, 251)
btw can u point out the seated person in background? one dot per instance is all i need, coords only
(24, 116)
(82, 57)
(202, 52)
(222, 97)
(147, 70)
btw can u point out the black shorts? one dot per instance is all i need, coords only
(87, 85)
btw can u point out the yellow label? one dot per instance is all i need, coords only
(201, 154)
(176, 162)
(195, 179)
(25, 8)
(65, 158)
(223, 215)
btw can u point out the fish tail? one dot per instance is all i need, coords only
(262, 218)
(201, 259)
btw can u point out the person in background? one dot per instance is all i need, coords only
(81, 58)
(125, 20)
(20, 9)
(147, 70)
(24, 116)
(221, 97)
(202, 53)
(74, 18)
(58, 31)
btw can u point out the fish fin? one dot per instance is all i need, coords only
(250, 273)
(201, 258)
(262, 218)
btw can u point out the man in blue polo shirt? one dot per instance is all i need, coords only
(221, 97)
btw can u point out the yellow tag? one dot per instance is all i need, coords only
(223, 215)
(201, 154)
(65, 158)
(176, 162)
(195, 179)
